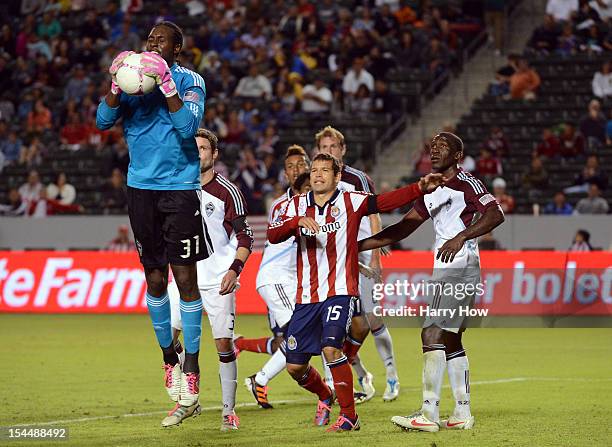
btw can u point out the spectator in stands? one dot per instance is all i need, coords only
(39, 119)
(559, 205)
(422, 163)
(214, 123)
(497, 142)
(561, 10)
(581, 242)
(594, 42)
(114, 198)
(61, 190)
(468, 164)
(593, 203)
(122, 241)
(501, 85)
(361, 102)
(221, 39)
(505, 200)
(549, 146)
(602, 81)
(327, 11)
(49, 27)
(409, 54)
(7, 108)
(30, 191)
(7, 41)
(45, 206)
(568, 43)
(16, 206)
(535, 178)
(356, 76)
(236, 130)
(92, 28)
(254, 85)
(11, 147)
(488, 242)
(524, 82)
(316, 97)
(32, 154)
(591, 173)
(544, 38)
(593, 125)
(379, 63)
(487, 165)
(74, 134)
(572, 142)
(77, 84)
(88, 55)
(249, 176)
(267, 142)
(435, 57)
(386, 24)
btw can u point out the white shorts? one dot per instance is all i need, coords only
(221, 310)
(280, 299)
(366, 298)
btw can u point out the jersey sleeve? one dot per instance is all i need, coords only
(286, 226)
(107, 116)
(236, 218)
(476, 195)
(420, 208)
(187, 119)
(388, 201)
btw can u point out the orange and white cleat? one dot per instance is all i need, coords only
(455, 423)
(416, 421)
(344, 423)
(230, 422)
(260, 392)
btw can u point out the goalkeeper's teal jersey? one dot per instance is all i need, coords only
(163, 151)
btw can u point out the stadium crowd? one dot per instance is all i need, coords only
(264, 63)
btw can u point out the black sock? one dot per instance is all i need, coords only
(191, 363)
(170, 356)
(178, 348)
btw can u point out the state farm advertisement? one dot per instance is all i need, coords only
(512, 283)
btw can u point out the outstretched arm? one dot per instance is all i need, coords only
(397, 198)
(393, 233)
(492, 218)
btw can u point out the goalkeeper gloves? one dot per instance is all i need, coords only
(156, 67)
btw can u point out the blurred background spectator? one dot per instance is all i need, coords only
(559, 206)
(581, 242)
(61, 190)
(593, 203)
(506, 201)
(121, 242)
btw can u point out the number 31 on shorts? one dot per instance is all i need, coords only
(187, 246)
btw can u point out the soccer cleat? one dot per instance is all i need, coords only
(345, 424)
(260, 392)
(230, 422)
(172, 380)
(323, 410)
(190, 389)
(179, 413)
(367, 385)
(454, 423)
(392, 390)
(416, 421)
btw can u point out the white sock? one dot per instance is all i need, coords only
(459, 378)
(228, 375)
(384, 346)
(359, 367)
(272, 368)
(329, 380)
(434, 364)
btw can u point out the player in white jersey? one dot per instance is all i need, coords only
(276, 283)
(325, 224)
(230, 241)
(453, 209)
(330, 140)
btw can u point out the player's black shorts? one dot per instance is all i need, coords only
(168, 226)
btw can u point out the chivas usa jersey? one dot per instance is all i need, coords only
(224, 211)
(278, 264)
(453, 208)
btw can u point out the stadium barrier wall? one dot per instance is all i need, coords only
(89, 232)
(526, 283)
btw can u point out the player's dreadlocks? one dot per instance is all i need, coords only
(177, 32)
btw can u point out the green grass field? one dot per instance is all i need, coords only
(102, 376)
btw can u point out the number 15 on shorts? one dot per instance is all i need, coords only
(333, 313)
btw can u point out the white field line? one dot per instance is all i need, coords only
(253, 404)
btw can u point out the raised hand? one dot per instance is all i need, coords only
(430, 182)
(156, 67)
(310, 224)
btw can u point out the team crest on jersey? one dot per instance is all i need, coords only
(301, 208)
(335, 211)
(291, 343)
(210, 208)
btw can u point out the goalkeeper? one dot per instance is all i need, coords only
(163, 194)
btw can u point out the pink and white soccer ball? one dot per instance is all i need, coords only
(131, 79)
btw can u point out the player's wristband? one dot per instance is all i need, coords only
(237, 266)
(115, 90)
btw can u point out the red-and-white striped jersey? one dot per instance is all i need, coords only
(327, 262)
